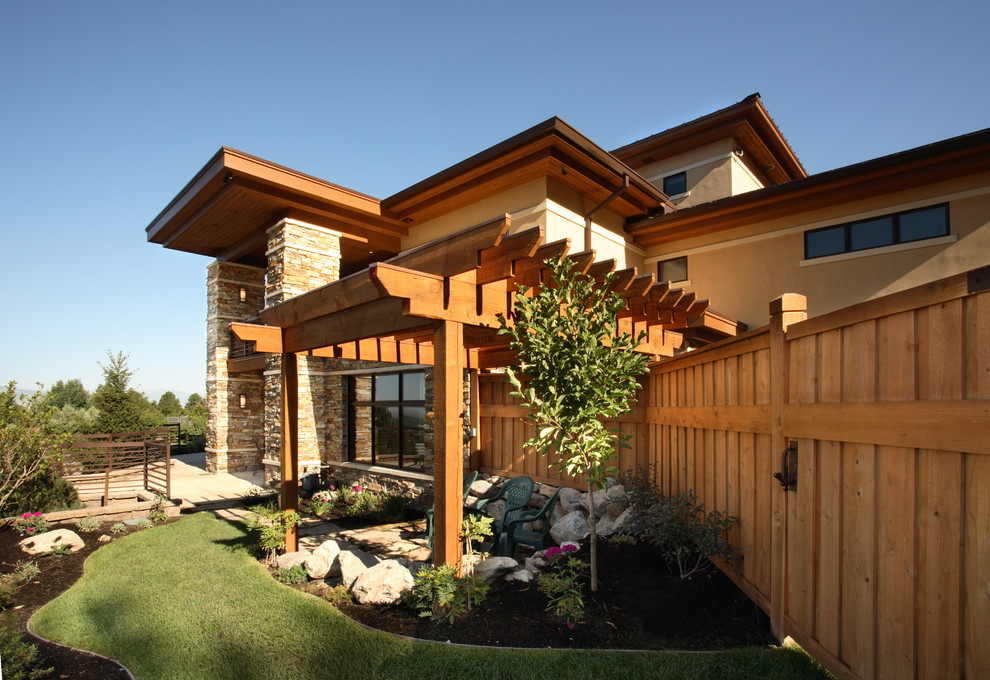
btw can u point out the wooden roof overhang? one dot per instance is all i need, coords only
(225, 210)
(747, 122)
(551, 149)
(905, 170)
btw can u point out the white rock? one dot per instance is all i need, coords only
(570, 500)
(289, 560)
(521, 575)
(323, 561)
(571, 527)
(383, 583)
(495, 568)
(353, 563)
(42, 543)
(480, 488)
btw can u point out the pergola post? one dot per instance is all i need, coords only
(448, 441)
(290, 444)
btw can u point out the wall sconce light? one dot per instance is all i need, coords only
(243, 294)
(243, 401)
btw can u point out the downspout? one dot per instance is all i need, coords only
(587, 218)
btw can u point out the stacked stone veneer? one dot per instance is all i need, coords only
(300, 257)
(234, 435)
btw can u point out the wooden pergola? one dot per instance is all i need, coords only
(439, 305)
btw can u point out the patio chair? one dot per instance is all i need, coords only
(516, 492)
(514, 532)
(469, 479)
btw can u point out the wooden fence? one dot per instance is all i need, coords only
(877, 560)
(117, 466)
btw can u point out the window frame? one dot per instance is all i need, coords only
(660, 264)
(847, 229)
(681, 176)
(374, 405)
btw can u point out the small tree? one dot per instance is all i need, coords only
(30, 445)
(581, 370)
(120, 411)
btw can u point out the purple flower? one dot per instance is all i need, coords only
(570, 625)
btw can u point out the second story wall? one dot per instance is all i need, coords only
(738, 270)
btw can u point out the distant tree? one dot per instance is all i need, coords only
(30, 446)
(169, 405)
(120, 407)
(71, 393)
(150, 416)
(77, 420)
(196, 422)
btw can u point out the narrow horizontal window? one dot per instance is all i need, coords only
(878, 232)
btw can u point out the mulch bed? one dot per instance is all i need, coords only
(639, 605)
(57, 574)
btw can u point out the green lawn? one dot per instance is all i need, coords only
(187, 600)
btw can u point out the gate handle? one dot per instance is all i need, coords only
(788, 468)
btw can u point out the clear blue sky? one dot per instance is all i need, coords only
(109, 108)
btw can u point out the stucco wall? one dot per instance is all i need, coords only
(750, 266)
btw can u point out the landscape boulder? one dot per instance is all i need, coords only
(323, 561)
(495, 568)
(383, 583)
(42, 543)
(353, 563)
(571, 527)
(289, 560)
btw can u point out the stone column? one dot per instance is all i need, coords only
(233, 432)
(301, 257)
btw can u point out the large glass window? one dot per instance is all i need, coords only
(387, 419)
(902, 227)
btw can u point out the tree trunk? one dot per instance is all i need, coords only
(592, 524)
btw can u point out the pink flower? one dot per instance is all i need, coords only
(570, 625)
(37, 514)
(30, 529)
(26, 515)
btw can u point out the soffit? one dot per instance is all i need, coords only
(226, 209)
(550, 149)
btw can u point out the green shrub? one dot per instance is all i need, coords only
(272, 526)
(393, 508)
(8, 586)
(679, 526)
(118, 528)
(143, 523)
(337, 595)
(439, 593)
(18, 659)
(296, 574)
(89, 524)
(59, 550)
(157, 513)
(563, 586)
(26, 571)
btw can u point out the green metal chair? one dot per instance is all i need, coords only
(516, 492)
(514, 533)
(469, 479)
